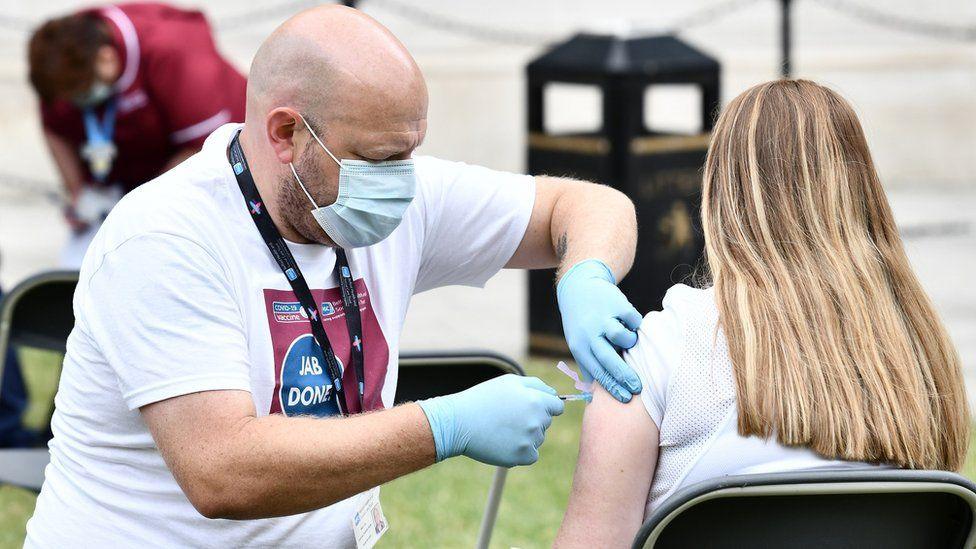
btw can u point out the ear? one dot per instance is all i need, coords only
(281, 125)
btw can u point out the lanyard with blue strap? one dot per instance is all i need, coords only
(286, 262)
(99, 150)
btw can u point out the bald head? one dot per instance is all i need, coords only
(357, 87)
(333, 62)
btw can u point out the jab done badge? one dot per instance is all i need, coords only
(305, 388)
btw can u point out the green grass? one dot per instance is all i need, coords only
(41, 380)
(16, 506)
(442, 506)
(438, 507)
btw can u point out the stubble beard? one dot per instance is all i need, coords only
(295, 206)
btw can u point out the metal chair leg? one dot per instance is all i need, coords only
(491, 507)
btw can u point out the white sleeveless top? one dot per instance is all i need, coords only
(683, 361)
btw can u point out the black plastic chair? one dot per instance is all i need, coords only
(36, 313)
(429, 374)
(859, 508)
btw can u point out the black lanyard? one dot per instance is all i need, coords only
(286, 261)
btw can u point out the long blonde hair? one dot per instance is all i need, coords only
(835, 345)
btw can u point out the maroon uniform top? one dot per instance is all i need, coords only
(174, 90)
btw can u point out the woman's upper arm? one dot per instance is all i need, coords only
(619, 442)
(618, 453)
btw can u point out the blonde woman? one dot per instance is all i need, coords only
(815, 346)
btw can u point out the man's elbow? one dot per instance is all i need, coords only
(214, 498)
(213, 508)
(611, 200)
(621, 202)
(240, 493)
(221, 488)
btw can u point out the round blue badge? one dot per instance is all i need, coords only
(306, 389)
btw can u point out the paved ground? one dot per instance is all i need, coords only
(939, 226)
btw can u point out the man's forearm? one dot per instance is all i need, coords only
(67, 163)
(293, 465)
(232, 464)
(573, 222)
(592, 221)
(275, 465)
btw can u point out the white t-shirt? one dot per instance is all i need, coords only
(179, 294)
(682, 359)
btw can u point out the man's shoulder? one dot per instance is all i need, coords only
(195, 184)
(433, 167)
(189, 202)
(436, 177)
(195, 200)
(432, 163)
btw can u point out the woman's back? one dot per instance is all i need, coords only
(682, 359)
(835, 344)
(828, 348)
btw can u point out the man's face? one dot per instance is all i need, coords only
(108, 66)
(107, 69)
(363, 134)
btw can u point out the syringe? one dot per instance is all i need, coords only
(588, 397)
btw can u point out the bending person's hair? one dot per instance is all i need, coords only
(835, 345)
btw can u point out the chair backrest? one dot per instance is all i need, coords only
(859, 508)
(37, 312)
(435, 373)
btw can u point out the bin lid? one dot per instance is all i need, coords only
(652, 58)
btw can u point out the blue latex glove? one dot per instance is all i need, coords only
(598, 319)
(502, 421)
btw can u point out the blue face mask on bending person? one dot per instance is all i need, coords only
(372, 199)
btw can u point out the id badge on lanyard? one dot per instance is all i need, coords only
(289, 267)
(99, 150)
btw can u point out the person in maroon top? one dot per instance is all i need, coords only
(126, 92)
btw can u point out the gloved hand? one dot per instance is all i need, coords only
(596, 318)
(502, 421)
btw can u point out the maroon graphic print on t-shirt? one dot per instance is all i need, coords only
(302, 384)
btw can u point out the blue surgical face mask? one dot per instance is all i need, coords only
(98, 93)
(372, 199)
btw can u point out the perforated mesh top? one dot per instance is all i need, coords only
(683, 361)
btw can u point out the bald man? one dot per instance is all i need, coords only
(238, 319)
